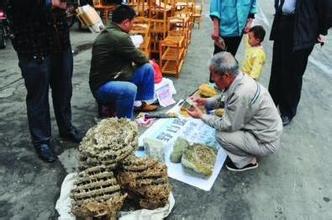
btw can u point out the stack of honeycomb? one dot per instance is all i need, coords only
(146, 181)
(96, 193)
(108, 143)
(108, 148)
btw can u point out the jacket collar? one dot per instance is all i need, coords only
(114, 26)
(234, 85)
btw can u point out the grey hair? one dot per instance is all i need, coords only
(224, 62)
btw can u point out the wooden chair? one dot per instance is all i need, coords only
(141, 26)
(173, 48)
(104, 9)
(197, 14)
(172, 55)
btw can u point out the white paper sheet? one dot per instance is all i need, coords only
(193, 130)
(164, 95)
(137, 40)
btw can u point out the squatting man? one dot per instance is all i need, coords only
(251, 126)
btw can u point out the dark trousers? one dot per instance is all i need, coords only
(232, 45)
(39, 74)
(287, 69)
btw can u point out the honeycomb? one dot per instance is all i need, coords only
(108, 168)
(96, 193)
(199, 158)
(108, 143)
(146, 181)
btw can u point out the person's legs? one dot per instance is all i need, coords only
(143, 78)
(121, 93)
(292, 82)
(275, 77)
(217, 49)
(61, 84)
(36, 77)
(242, 147)
(232, 44)
(287, 70)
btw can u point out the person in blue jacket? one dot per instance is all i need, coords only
(230, 18)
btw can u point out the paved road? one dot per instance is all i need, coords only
(292, 184)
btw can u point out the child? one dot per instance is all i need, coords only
(254, 54)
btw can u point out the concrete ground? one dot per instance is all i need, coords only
(292, 184)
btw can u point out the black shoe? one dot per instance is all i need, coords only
(73, 136)
(285, 120)
(45, 153)
(231, 166)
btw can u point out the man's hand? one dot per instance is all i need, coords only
(198, 100)
(248, 25)
(215, 35)
(195, 112)
(321, 39)
(59, 4)
(220, 43)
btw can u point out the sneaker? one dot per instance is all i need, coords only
(285, 120)
(146, 107)
(231, 166)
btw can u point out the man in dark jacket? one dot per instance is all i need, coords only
(41, 40)
(297, 26)
(120, 73)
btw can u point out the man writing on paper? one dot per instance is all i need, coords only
(251, 126)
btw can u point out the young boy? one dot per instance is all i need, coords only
(254, 54)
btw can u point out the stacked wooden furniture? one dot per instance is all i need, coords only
(170, 25)
(140, 6)
(158, 13)
(104, 9)
(197, 14)
(173, 48)
(141, 26)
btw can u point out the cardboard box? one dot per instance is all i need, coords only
(89, 17)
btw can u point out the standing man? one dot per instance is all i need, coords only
(41, 40)
(297, 26)
(230, 18)
(251, 126)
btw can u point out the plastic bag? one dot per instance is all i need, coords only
(158, 76)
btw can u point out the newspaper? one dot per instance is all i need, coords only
(193, 130)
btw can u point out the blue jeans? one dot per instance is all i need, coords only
(143, 78)
(123, 94)
(39, 74)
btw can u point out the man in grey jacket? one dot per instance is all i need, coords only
(251, 126)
